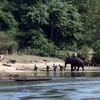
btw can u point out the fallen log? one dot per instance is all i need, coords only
(6, 65)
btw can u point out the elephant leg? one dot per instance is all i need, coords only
(64, 68)
(78, 68)
(74, 67)
(71, 68)
(83, 68)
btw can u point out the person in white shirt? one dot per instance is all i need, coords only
(74, 55)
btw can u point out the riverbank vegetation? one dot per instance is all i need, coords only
(49, 27)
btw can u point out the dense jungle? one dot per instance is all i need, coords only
(54, 28)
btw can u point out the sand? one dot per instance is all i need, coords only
(24, 69)
(10, 71)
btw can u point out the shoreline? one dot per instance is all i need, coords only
(25, 70)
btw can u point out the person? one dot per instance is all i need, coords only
(74, 55)
(1, 57)
(35, 68)
(61, 67)
(47, 67)
(55, 67)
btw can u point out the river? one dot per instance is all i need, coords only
(63, 86)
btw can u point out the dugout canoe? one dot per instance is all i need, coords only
(33, 79)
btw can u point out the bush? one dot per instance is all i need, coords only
(7, 43)
(96, 57)
(96, 54)
(36, 43)
(61, 54)
(96, 45)
(83, 52)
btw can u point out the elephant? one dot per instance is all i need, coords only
(75, 62)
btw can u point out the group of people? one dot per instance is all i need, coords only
(74, 55)
(48, 67)
(54, 67)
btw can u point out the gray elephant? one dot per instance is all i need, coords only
(75, 62)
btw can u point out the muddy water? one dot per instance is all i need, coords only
(63, 86)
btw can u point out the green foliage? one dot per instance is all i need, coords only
(96, 45)
(46, 25)
(35, 40)
(7, 22)
(96, 57)
(64, 22)
(83, 53)
(90, 17)
(44, 45)
(7, 43)
(36, 16)
(96, 54)
(68, 46)
(62, 54)
(59, 20)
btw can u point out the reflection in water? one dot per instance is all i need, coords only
(48, 74)
(66, 74)
(77, 74)
(63, 86)
(61, 73)
(55, 73)
(70, 74)
(35, 73)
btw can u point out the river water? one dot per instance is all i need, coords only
(63, 86)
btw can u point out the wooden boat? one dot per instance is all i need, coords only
(33, 79)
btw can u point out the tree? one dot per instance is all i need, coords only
(36, 17)
(37, 42)
(7, 22)
(68, 24)
(7, 43)
(90, 17)
(64, 23)
(96, 49)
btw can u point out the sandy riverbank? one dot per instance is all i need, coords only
(26, 69)
(27, 66)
